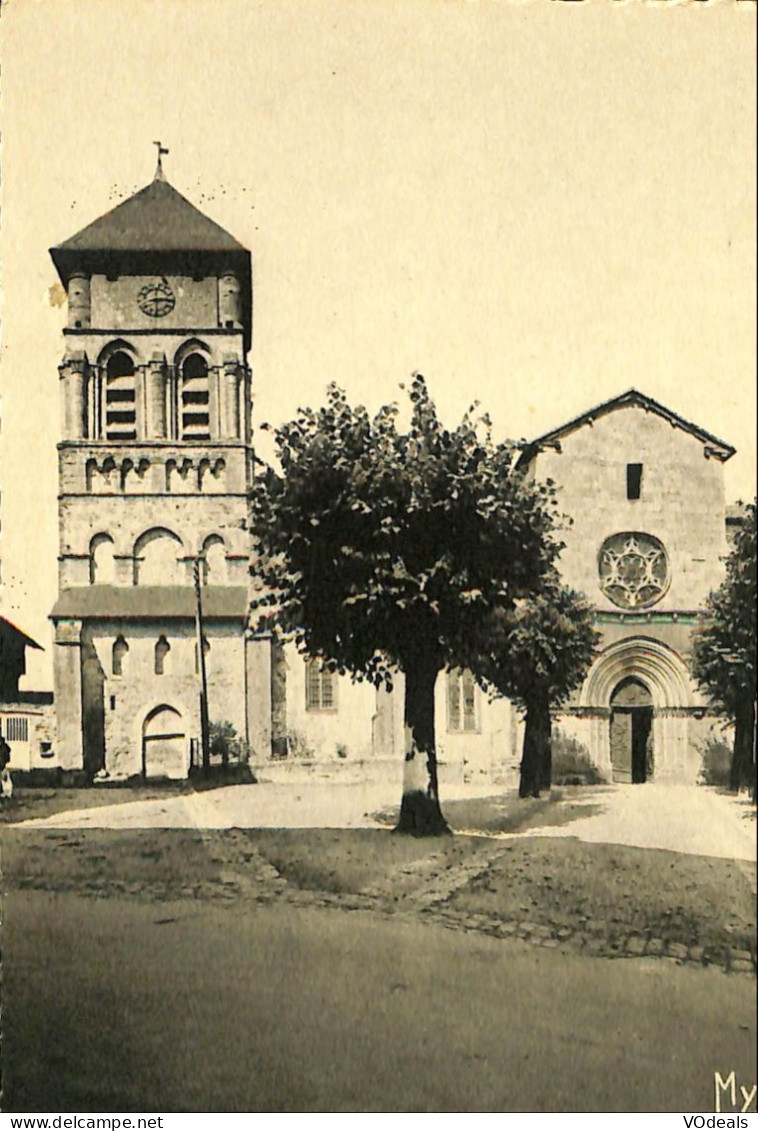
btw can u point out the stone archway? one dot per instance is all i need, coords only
(164, 744)
(633, 663)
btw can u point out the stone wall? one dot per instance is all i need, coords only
(115, 303)
(130, 698)
(30, 731)
(681, 503)
(346, 730)
(124, 519)
(366, 725)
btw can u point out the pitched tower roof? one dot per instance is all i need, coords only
(156, 232)
(157, 218)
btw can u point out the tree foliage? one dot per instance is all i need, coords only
(724, 648)
(223, 739)
(380, 544)
(537, 653)
(382, 548)
(544, 645)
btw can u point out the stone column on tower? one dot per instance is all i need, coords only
(231, 398)
(79, 302)
(73, 373)
(229, 300)
(156, 397)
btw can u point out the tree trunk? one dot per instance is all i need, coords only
(420, 813)
(742, 769)
(546, 755)
(536, 759)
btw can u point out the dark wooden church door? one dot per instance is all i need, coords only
(631, 732)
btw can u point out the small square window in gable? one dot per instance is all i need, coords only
(634, 480)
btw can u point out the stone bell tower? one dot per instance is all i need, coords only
(154, 473)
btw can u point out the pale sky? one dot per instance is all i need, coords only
(537, 205)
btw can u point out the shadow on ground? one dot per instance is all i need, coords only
(617, 898)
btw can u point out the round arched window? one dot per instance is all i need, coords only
(195, 398)
(120, 400)
(634, 569)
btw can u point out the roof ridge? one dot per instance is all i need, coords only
(29, 642)
(629, 396)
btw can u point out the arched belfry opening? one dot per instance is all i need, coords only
(631, 737)
(120, 398)
(195, 399)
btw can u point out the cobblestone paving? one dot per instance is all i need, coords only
(421, 889)
(591, 937)
(431, 880)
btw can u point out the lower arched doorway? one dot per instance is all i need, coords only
(631, 737)
(164, 744)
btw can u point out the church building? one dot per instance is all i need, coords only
(155, 468)
(648, 539)
(154, 473)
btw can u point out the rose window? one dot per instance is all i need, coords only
(634, 570)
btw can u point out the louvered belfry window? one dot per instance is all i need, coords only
(120, 399)
(195, 399)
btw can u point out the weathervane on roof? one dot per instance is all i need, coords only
(159, 167)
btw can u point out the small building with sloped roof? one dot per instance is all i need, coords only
(26, 717)
(13, 645)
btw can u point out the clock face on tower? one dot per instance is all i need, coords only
(156, 299)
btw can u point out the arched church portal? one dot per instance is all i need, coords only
(635, 698)
(631, 736)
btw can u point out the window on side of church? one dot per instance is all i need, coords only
(633, 480)
(320, 688)
(195, 408)
(120, 398)
(461, 702)
(118, 655)
(162, 649)
(102, 563)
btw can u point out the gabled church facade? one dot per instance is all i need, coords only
(155, 468)
(647, 542)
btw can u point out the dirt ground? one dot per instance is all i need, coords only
(617, 890)
(695, 820)
(563, 887)
(198, 1006)
(32, 803)
(351, 969)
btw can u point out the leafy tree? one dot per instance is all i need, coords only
(383, 549)
(538, 652)
(724, 647)
(223, 739)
